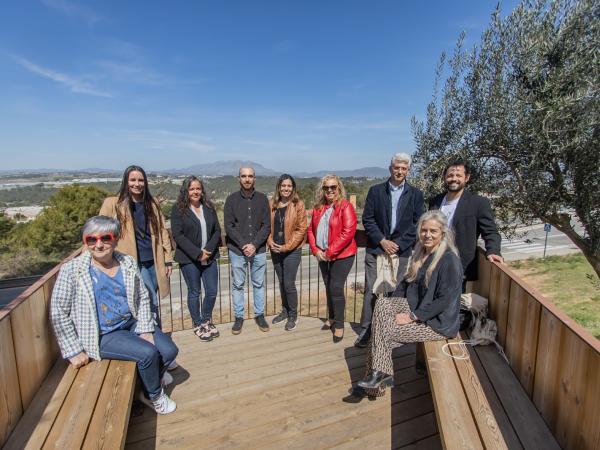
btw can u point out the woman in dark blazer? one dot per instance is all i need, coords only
(195, 228)
(424, 306)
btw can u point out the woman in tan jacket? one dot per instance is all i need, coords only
(288, 235)
(144, 235)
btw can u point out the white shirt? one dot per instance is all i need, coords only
(449, 208)
(200, 215)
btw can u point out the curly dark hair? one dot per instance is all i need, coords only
(183, 200)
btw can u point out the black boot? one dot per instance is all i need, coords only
(376, 379)
(363, 338)
(357, 394)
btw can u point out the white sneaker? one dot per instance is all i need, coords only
(173, 365)
(162, 405)
(167, 379)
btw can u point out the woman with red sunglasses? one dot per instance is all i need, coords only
(143, 233)
(100, 308)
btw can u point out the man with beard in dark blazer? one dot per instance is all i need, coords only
(470, 216)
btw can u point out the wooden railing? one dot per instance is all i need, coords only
(555, 359)
(27, 349)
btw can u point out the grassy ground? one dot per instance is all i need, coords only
(570, 283)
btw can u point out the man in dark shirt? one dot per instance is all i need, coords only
(247, 224)
(469, 216)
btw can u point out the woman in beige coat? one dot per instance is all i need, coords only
(144, 235)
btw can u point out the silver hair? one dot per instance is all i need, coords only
(401, 157)
(101, 224)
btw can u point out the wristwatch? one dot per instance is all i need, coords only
(413, 317)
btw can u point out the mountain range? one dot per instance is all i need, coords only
(220, 168)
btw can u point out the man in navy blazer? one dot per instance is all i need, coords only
(390, 216)
(470, 216)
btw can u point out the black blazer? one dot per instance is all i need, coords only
(473, 218)
(437, 304)
(377, 213)
(187, 232)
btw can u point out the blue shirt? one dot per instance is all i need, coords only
(111, 300)
(396, 193)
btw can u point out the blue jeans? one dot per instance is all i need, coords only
(258, 264)
(151, 283)
(209, 274)
(151, 360)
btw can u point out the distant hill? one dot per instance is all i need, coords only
(368, 172)
(216, 169)
(221, 168)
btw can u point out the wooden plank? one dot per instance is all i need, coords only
(74, 417)
(522, 335)
(504, 424)
(527, 422)
(33, 428)
(484, 416)
(547, 367)
(571, 388)
(499, 297)
(455, 422)
(33, 338)
(108, 427)
(588, 429)
(48, 287)
(11, 408)
(482, 286)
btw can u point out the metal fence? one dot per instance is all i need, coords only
(312, 300)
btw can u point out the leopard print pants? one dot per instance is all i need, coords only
(386, 334)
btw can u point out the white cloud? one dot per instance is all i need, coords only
(172, 140)
(74, 10)
(76, 85)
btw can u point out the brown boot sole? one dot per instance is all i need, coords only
(236, 332)
(264, 330)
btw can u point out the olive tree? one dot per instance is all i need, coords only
(523, 106)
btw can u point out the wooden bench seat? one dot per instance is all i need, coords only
(479, 403)
(79, 408)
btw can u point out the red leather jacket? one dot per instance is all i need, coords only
(342, 227)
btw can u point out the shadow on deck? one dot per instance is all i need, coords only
(284, 389)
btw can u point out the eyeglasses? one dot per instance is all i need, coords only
(332, 187)
(92, 239)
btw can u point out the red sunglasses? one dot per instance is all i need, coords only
(92, 239)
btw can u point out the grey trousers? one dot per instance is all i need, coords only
(370, 277)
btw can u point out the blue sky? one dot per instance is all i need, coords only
(293, 85)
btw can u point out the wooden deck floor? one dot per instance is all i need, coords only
(283, 390)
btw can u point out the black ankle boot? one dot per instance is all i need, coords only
(376, 379)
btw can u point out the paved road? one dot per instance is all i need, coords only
(532, 244)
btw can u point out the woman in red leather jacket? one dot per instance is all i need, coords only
(331, 239)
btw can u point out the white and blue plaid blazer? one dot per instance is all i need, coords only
(73, 305)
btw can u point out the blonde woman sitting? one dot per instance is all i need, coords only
(424, 307)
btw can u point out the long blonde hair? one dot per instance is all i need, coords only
(340, 194)
(418, 256)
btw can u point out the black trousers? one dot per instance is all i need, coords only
(334, 275)
(286, 268)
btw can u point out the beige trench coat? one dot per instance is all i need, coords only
(161, 244)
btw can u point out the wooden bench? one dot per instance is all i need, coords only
(79, 408)
(479, 402)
